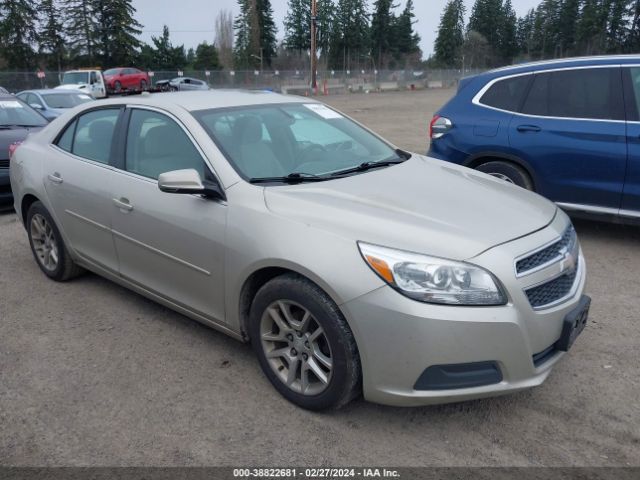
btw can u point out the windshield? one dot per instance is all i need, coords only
(14, 112)
(112, 71)
(65, 100)
(75, 78)
(280, 140)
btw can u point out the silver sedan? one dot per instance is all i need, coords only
(349, 264)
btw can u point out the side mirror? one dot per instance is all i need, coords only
(188, 181)
(37, 106)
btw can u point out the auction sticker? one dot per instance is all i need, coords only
(323, 110)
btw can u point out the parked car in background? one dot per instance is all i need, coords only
(348, 263)
(52, 103)
(89, 81)
(182, 84)
(126, 79)
(17, 120)
(567, 129)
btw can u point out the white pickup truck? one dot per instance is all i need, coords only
(88, 81)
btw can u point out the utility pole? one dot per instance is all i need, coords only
(314, 25)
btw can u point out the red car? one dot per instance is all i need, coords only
(121, 79)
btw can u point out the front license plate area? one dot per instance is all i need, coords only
(574, 324)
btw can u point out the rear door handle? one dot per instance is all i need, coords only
(528, 128)
(123, 204)
(55, 177)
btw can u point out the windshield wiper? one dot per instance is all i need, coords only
(16, 125)
(363, 167)
(291, 178)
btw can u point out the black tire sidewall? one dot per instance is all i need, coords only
(58, 273)
(305, 293)
(515, 173)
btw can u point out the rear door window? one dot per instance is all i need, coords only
(93, 135)
(506, 94)
(588, 93)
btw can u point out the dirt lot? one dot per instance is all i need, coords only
(92, 374)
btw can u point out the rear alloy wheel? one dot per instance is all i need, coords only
(508, 172)
(304, 344)
(117, 86)
(47, 245)
(143, 85)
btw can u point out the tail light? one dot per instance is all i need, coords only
(439, 126)
(12, 149)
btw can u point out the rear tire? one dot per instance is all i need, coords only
(47, 245)
(509, 172)
(143, 85)
(117, 87)
(304, 345)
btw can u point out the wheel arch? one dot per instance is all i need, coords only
(260, 277)
(27, 200)
(481, 158)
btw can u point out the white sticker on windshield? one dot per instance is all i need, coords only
(10, 104)
(323, 111)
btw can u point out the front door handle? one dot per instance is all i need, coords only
(55, 177)
(528, 128)
(123, 204)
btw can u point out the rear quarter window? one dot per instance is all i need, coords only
(506, 94)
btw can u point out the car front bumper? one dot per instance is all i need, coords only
(399, 338)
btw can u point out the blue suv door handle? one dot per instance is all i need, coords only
(528, 128)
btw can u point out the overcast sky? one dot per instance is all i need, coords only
(191, 21)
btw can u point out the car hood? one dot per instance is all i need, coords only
(422, 205)
(7, 137)
(73, 86)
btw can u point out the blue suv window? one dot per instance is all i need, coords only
(507, 94)
(593, 93)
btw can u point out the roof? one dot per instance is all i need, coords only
(565, 63)
(204, 100)
(51, 91)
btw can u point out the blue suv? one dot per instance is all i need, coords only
(567, 129)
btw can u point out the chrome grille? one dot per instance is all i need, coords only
(554, 290)
(547, 255)
(4, 163)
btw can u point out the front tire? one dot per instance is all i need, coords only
(508, 172)
(47, 245)
(304, 345)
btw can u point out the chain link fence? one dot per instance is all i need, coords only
(293, 82)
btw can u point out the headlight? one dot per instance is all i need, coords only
(432, 279)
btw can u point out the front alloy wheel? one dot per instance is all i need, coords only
(304, 344)
(296, 347)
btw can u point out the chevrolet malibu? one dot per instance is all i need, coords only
(350, 265)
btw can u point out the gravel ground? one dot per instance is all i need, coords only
(92, 374)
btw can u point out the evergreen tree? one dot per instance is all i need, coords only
(382, 38)
(117, 31)
(589, 30)
(18, 33)
(507, 32)
(450, 39)
(325, 17)
(243, 44)
(163, 55)
(51, 34)
(617, 25)
(484, 15)
(297, 26)
(206, 57)
(567, 26)
(81, 26)
(407, 40)
(267, 29)
(349, 45)
(524, 33)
